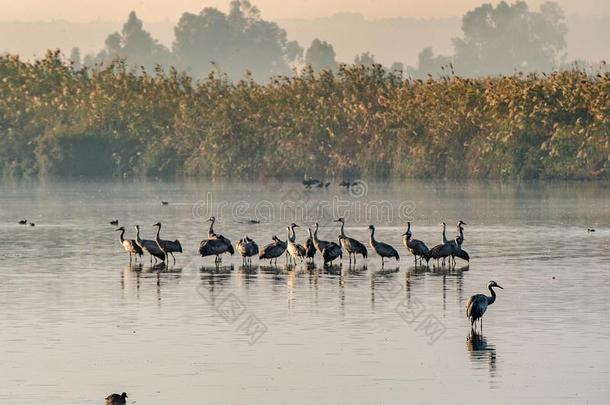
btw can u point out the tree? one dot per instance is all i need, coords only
(135, 45)
(428, 64)
(498, 40)
(365, 58)
(75, 58)
(320, 55)
(235, 42)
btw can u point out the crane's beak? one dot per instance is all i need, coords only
(118, 229)
(498, 285)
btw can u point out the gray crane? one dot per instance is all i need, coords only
(443, 250)
(246, 248)
(167, 246)
(351, 245)
(415, 246)
(149, 246)
(295, 251)
(310, 249)
(273, 250)
(382, 249)
(130, 245)
(216, 244)
(478, 303)
(319, 244)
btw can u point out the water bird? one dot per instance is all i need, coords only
(167, 246)
(130, 245)
(32, 224)
(273, 250)
(164, 202)
(331, 252)
(478, 303)
(116, 399)
(114, 222)
(216, 244)
(23, 222)
(417, 248)
(309, 182)
(351, 245)
(310, 249)
(149, 246)
(443, 250)
(246, 248)
(295, 251)
(319, 244)
(588, 229)
(382, 249)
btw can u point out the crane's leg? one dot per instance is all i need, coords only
(173, 257)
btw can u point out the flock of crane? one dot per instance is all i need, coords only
(216, 245)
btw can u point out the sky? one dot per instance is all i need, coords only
(158, 10)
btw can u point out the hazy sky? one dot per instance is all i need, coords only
(155, 10)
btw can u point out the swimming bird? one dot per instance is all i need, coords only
(164, 203)
(116, 399)
(478, 303)
(129, 244)
(295, 251)
(114, 222)
(246, 248)
(319, 244)
(32, 224)
(23, 222)
(149, 246)
(382, 249)
(415, 246)
(310, 249)
(167, 246)
(273, 250)
(351, 245)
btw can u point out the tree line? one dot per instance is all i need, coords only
(495, 40)
(357, 120)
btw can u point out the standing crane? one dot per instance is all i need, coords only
(167, 246)
(273, 250)
(415, 246)
(382, 249)
(478, 303)
(246, 248)
(351, 245)
(310, 249)
(295, 251)
(149, 246)
(216, 244)
(130, 245)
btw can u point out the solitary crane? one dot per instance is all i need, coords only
(382, 249)
(167, 246)
(478, 303)
(351, 245)
(295, 251)
(273, 250)
(415, 246)
(246, 248)
(149, 246)
(130, 245)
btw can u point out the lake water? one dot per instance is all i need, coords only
(77, 322)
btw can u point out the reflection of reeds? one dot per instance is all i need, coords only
(360, 120)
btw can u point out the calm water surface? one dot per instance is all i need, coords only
(77, 322)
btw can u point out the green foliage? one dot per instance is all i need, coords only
(359, 120)
(320, 55)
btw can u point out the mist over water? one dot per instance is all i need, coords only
(79, 322)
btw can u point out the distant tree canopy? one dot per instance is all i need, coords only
(136, 45)
(502, 39)
(234, 42)
(320, 55)
(365, 58)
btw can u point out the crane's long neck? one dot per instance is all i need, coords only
(408, 228)
(444, 233)
(121, 235)
(372, 238)
(294, 235)
(492, 299)
(290, 239)
(211, 230)
(342, 229)
(461, 232)
(138, 234)
(315, 234)
(158, 232)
